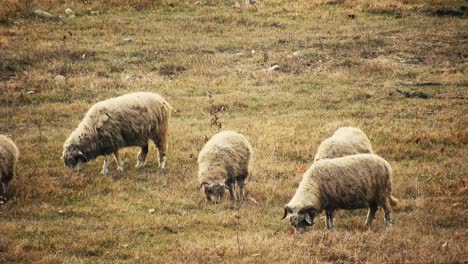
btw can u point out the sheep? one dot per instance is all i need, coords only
(224, 160)
(350, 182)
(345, 141)
(8, 157)
(128, 120)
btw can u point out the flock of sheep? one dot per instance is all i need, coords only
(346, 174)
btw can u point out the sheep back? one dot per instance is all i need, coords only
(225, 156)
(345, 141)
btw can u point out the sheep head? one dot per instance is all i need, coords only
(74, 158)
(213, 191)
(301, 219)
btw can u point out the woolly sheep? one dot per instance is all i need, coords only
(224, 160)
(8, 157)
(128, 120)
(345, 141)
(350, 182)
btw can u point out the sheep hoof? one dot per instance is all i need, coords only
(162, 165)
(105, 172)
(120, 168)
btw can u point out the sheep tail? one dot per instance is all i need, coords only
(393, 201)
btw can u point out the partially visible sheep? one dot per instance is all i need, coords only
(8, 157)
(350, 182)
(345, 141)
(128, 120)
(224, 160)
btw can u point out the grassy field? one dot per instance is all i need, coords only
(340, 64)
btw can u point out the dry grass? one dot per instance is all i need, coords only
(340, 63)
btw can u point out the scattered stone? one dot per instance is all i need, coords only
(151, 211)
(59, 78)
(30, 92)
(60, 211)
(45, 15)
(94, 13)
(127, 40)
(275, 67)
(252, 51)
(69, 12)
(128, 78)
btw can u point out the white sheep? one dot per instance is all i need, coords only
(350, 182)
(8, 157)
(224, 160)
(345, 141)
(128, 120)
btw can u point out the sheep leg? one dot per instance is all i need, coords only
(120, 164)
(371, 215)
(105, 166)
(387, 210)
(162, 148)
(4, 188)
(241, 183)
(330, 214)
(230, 187)
(141, 160)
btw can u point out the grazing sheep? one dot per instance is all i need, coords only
(224, 160)
(128, 120)
(8, 157)
(350, 182)
(345, 141)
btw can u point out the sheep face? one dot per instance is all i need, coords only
(213, 191)
(302, 219)
(74, 158)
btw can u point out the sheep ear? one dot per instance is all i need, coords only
(82, 156)
(287, 210)
(308, 219)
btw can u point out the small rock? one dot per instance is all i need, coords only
(44, 14)
(128, 78)
(94, 13)
(60, 211)
(296, 53)
(59, 78)
(252, 51)
(69, 12)
(127, 40)
(275, 67)
(30, 92)
(151, 211)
